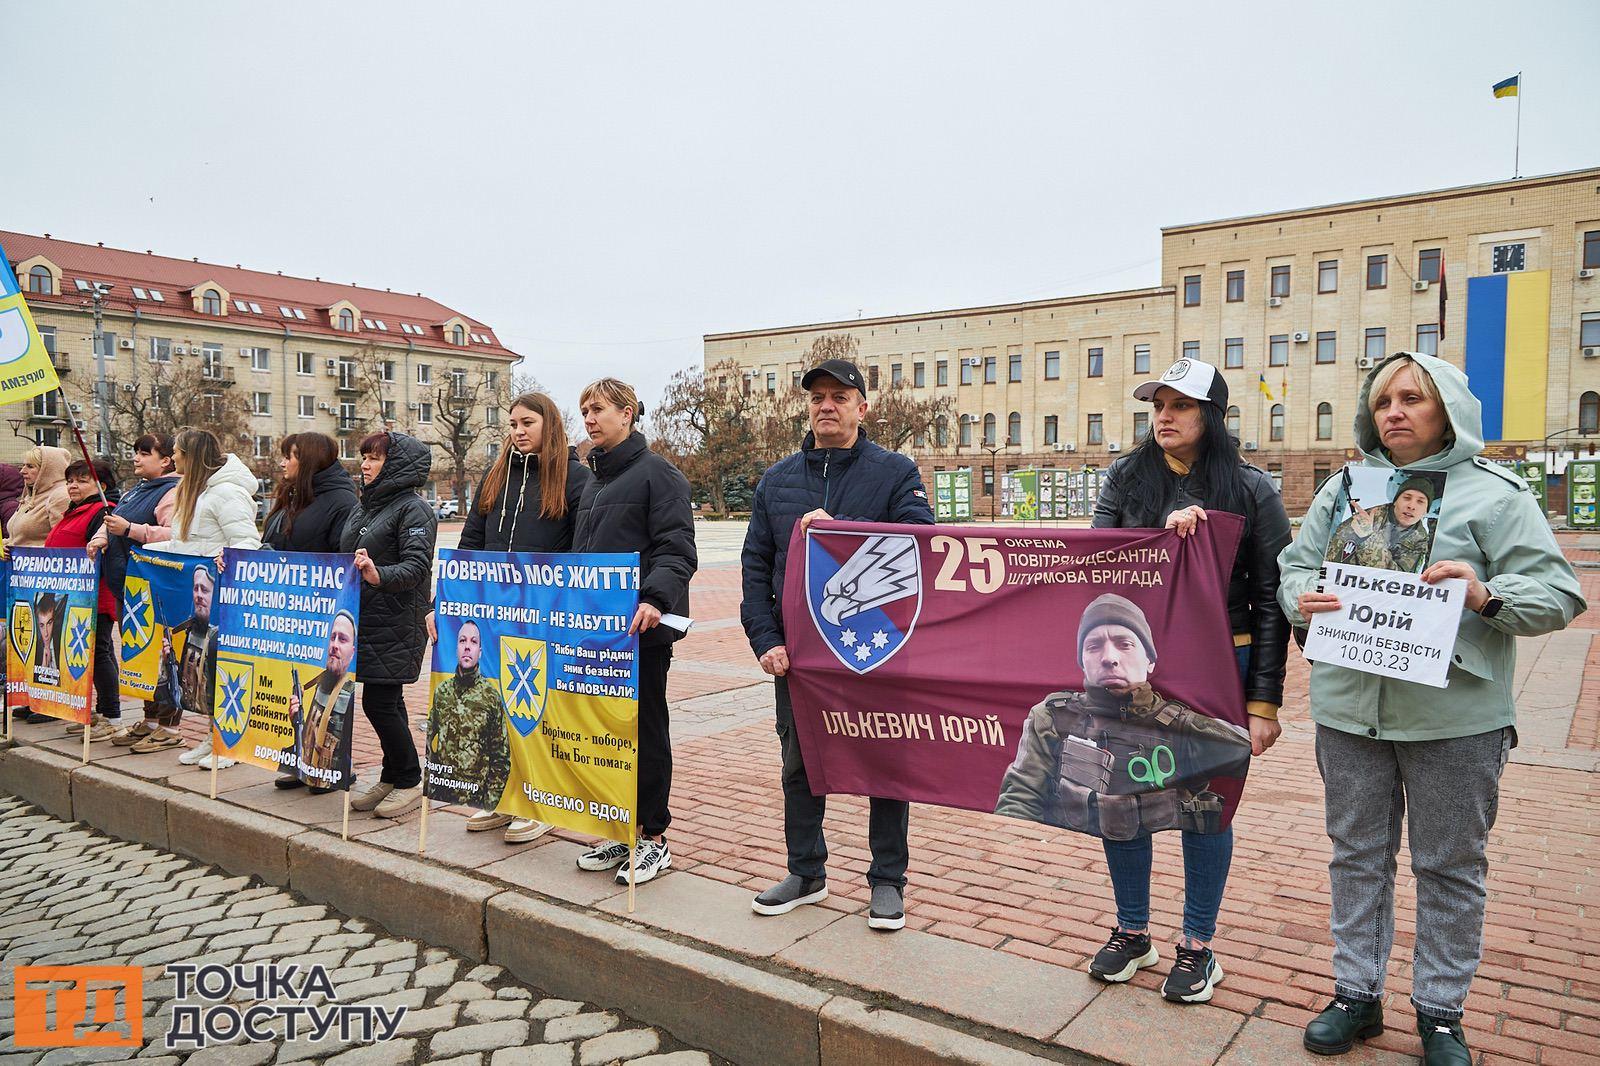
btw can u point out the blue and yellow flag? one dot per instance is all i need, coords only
(1508, 352)
(25, 367)
(1261, 383)
(1507, 87)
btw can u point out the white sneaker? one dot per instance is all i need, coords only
(606, 855)
(654, 857)
(222, 761)
(193, 756)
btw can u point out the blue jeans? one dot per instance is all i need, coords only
(1206, 860)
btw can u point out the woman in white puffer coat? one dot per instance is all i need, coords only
(215, 508)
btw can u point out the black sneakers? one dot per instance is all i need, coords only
(793, 891)
(1443, 1042)
(1193, 976)
(1123, 956)
(1336, 1030)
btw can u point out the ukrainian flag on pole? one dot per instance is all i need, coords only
(25, 367)
(1507, 87)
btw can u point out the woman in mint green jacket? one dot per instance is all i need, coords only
(1390, 749)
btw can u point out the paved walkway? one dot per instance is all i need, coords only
(1002, 915)
(74, 897)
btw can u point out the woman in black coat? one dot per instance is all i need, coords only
(314, 499)
(639, 502)
(391, 533)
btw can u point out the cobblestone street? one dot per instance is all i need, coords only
(71, 896)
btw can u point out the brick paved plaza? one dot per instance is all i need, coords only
(1002, 914)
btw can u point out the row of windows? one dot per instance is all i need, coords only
(1094, 428)
(162, 348)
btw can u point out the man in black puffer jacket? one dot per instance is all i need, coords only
(639, 502)
(838, 473)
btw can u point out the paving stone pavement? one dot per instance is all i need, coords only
(71, 896)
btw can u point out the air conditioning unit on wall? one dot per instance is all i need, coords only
(1113, 447)
(125, 344)
(1301, 336)
(1419, 286)
(1275, 301)
(1249, 445)
(1364, 362)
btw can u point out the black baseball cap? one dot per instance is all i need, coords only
(840, 370)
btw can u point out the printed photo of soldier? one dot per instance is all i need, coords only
(1384, 530)
(49, 616)
(1119, 759)
(320, 758)
(467, 731)
(190, 648)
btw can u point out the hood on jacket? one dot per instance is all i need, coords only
(11, 486)
(332, 479)
(1465, 437)
(404, 470)
(234, 472)
(53, 465)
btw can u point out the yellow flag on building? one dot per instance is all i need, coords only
(25, 367)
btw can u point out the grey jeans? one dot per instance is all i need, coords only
(1453, 789)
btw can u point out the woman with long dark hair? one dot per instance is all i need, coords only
(313, 500)
(391, 532)
(528, 502)
(1188, 465)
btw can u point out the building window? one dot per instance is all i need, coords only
(347, 320)
(347, 415)
(1589, 330)
(386, 370)
(1231, 420)
(260, 358)
(1275, 430)
(1097, 362)
(988, 481)
(897, 376)
(941, 373)
(1377, 271)
(991, 367)
(872, 378)
(772, 381)
(1319, 474)
(261, 403)
(1014, 428)
(161, 349)
(1278, 350)
(459, 335)
(1377, 340)
(1275, 472)
(1097, 429)
(1328, 275)
(988, 431)
(1191, 349)
(966, 431)
(41, 281)
(1014, 367)
(1234, 292)
(1052, 366)
(1324, 421)
(211, 302)
(48, 335)
(425, 413)
(941, 431)
(389, 411)
(1589, 413)
(1141, 425)
(263, 446)
(1052, 429)
(308, 406)
(45, 405)
(966, 370)
(1328, 346)
(211, 362)
(1141, 359)
(1280, 281)
(1428, 338)
(1591, 249)
(47, 437)
(1191, 290)
(1233, 353)
(491, 380)
(305, 363)
(919, 375)
(425, 374)
(1428, 260)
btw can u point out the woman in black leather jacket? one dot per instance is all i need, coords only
(1189, 464)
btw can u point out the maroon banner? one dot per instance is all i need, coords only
(1082, 678)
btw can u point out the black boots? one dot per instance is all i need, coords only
(1443, 1043)
(1336, 1030)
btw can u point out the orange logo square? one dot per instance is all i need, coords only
(67, 1006)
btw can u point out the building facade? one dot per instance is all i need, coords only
(1294, 306)
(279, 354)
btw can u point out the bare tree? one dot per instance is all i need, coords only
(166, 396)
(460, 405)
(899, 417)
(706, 424)
(834, 346)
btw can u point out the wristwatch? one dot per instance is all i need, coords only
(1491, 606)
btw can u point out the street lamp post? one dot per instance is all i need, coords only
(98, 296)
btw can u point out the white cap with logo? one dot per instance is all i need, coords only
(1192, 377)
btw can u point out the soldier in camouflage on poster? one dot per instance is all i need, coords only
(467, 751)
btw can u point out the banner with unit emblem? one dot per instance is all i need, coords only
(166, 604)
(25, 366)
(50, 659)
(534, 708)
(1081, 678)
(285, 658)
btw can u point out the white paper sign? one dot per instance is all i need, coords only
(1388, 622)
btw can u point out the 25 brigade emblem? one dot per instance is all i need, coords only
(864, 592)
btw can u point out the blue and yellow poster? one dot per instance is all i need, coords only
(51, 630)
(25, 366)
(166, 626)
(286, 662)
(534, 707)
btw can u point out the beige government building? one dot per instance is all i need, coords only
(1305, 299)
(305, 354)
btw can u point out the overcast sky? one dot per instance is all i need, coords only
(603, 184)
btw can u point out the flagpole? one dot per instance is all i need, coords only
(1516, 158)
